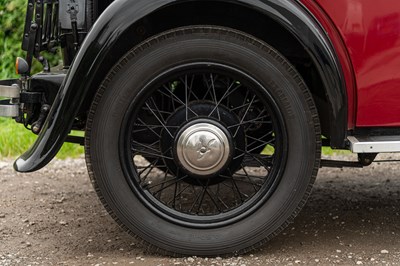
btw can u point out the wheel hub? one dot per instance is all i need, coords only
(203, 149)
(202, 145)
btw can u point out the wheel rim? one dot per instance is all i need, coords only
(203, 145)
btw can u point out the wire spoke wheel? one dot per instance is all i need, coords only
(204, 146)
(203, 141)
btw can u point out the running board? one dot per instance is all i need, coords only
(374, 144)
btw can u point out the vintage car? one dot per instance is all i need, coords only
(204, 120)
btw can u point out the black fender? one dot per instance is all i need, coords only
(88, 66)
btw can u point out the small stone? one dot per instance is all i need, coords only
(28, 244)
(190, 259)
(297, 261)
(63, 223)
(2, 215)
(338, 251)
(60, 200)
(316, 260)
(384, 251)
(359, 262)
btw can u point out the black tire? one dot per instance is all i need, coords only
(135, 88)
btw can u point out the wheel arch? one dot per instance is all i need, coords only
(112, 36)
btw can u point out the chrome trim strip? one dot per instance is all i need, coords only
(10, 91)
(9, 110)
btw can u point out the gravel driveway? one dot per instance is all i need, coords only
(53, 217)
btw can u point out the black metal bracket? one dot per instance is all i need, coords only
(41, 31)
(340, 164)
(73, 10)
(31, 97)
(364, 159)
(76, 140)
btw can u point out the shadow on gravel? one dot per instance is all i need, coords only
(349, 210)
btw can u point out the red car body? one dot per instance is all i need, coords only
(367, 40)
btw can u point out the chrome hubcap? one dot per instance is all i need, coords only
(203, 149)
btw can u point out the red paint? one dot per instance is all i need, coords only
(343, 55)
(370, 31)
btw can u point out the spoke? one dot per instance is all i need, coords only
(213, 200)
(248, 177)
(186, 99)
(242, 181)
(226, 94)
(151, 164)
(178, 100)
(244, 115)
(239, 107)
(237, 188)
(159, 192)
(191, 92)
(150, 146)
(207, 85)
(152, 154)
(195, 201)
(178, 194)
(153, 126)
(233, 188)
(252, 121)
(260, 160)
(160, 111)
(252, 176)
(261, 145)
(156, 108)
(260, 138)
(175, 190)
(215, 97)
(143, 179)
(166, 129)
(169, 96)
(220, 200)
(144, 124)
(203, 193)
(174, 180)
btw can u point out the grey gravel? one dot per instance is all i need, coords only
(53, 217)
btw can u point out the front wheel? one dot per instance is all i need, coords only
(203, 141)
